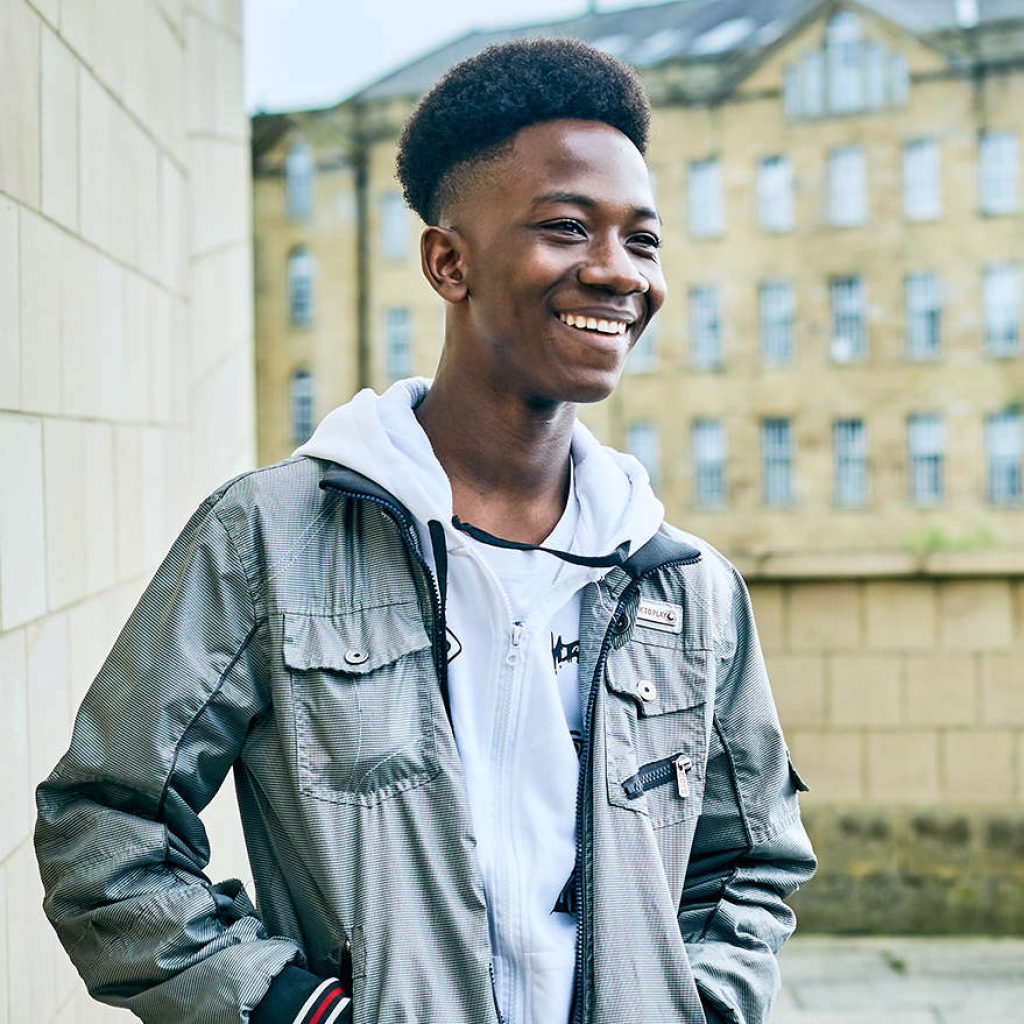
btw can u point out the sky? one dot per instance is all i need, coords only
(311, 53)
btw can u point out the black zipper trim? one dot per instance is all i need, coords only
(407, 528)
(582, 789)
(653, 774)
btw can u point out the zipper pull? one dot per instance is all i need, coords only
(517, 632)
(683, 764)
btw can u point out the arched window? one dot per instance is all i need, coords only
(845, 64)
(301, 400)
(298, 181)
(301, 269)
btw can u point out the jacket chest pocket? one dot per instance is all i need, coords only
(361, 687)
(656, 729)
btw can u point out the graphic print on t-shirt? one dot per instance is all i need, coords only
(563, 653)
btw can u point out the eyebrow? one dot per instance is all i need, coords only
(578, 199)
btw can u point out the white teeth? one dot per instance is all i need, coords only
(590, 323)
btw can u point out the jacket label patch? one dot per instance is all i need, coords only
(660, 615)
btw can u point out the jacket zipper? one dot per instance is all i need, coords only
(657, 773)
(582, 873)
(439, 642)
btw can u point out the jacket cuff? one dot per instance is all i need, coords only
(296, 996)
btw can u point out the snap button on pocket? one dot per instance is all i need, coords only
(646, 689)
(355, 657)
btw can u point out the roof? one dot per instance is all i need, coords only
(679, 31)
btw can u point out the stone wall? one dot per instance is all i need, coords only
(902, 701)
(126, 378)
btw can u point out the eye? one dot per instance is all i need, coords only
(648, 241)
(565, 224)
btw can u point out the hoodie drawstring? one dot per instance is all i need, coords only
(616, 557)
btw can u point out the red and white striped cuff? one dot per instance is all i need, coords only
(325, 1005)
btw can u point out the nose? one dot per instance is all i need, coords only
(610, 266)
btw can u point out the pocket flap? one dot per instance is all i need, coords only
(358, 641)
(659, 679)
(794, 776)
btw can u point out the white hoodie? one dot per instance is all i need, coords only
(513, 618)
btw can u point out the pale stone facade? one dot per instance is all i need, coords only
(126, 379)
(893, 628)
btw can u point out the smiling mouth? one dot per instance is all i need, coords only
(594, 325)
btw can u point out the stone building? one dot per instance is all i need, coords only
(832, 394)
(126, 380)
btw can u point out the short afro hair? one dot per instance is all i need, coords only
(473, 112)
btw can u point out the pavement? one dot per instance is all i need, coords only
(900, 980)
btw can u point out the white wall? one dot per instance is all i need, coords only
(126, 379)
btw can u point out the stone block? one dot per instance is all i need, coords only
(19, 101)
(16, 807)
(48, 661)
(941, 689)
(30, 956)
(95, 350)
(767, 601)
(901, 615)
(173, 230)
(132, 401)
(798, 685)
(23, 554)
(902, 766)
(59, 131)
(10, 307)
(864, 689)
(824, 616)
(41, 365)
(219, 193)
(976, 614)
(978, 767)
(79, 473)
(831, 762)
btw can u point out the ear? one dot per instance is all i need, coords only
(442, 257)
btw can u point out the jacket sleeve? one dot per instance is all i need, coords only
(750, 849)
(118, 838)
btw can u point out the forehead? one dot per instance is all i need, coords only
(567, 155)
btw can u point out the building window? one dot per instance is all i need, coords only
(777, 461)
(708, 443)
(302, 406)
(1001, 299)
(843, 48)
(642, 444)
(850, 469)
(999, 172)
(776, 306)
(922, 194)
(394, 226)
(301, 269)
(704, 198)
(643, 357)
(705, 328)
(923, 315)
(775, 193)
(299, 166)
(926, 441)
(398, 343)
(849, 330)
(847, 186)
(1003, 457)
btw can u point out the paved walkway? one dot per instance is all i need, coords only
(828, 980)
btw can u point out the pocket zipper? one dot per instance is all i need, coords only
(657, 773)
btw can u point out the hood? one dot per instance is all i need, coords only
(380, 437)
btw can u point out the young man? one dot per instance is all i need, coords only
(503, 741)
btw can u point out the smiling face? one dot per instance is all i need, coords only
(554, 270)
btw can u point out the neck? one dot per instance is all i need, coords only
(507, 458)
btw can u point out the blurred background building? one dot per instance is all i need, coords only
(126, 380)
(832, 394)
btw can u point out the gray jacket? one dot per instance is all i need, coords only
(294, 635)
